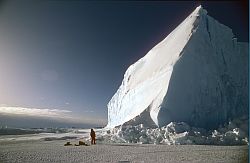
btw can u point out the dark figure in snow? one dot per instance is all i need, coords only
(92, 134)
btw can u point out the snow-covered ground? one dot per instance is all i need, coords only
(48, 136)
(54, 151)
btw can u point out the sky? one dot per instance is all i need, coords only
(62, 61)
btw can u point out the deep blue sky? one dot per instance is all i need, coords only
(72, 55)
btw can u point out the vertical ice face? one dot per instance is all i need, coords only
(193, 75)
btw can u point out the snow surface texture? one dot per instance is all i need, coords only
(198, 75)
(55, 152)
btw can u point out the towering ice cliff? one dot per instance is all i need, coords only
(198, 74)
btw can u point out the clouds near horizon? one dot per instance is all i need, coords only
(55, 115)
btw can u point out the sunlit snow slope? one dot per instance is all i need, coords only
(197, 74)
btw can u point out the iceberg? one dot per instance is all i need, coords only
(197, 75)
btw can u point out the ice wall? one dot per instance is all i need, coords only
(197, 74)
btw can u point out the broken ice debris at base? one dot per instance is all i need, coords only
(178, 134)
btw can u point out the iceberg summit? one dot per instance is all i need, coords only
(198, 75)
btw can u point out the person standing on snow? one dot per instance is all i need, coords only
(92, 134)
